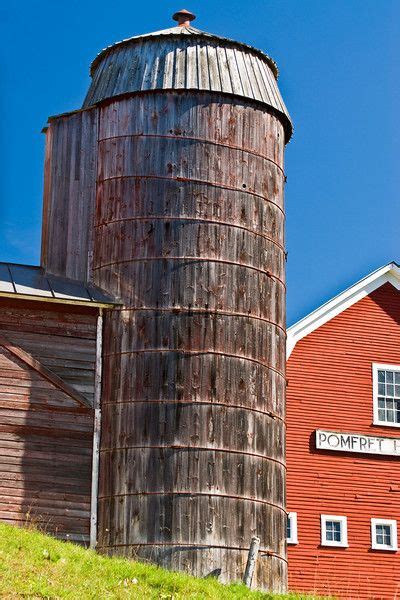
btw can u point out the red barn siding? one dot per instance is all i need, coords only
(45, 434)
(330, 387)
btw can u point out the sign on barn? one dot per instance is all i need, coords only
(356, 442)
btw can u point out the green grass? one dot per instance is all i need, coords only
(34, 565)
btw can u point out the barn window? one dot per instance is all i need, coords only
(383, 534)
(386, 386)
(333, 531)
(292, 528)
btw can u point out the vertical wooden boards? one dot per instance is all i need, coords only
(69, 194)
(197, 62)
(45, 434)
(189, 233)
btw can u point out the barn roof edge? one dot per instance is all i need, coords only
(31, 282)
(389, 273)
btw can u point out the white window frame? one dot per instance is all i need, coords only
(392, 523)
(375, 368)
(343, 527)
(292, 517)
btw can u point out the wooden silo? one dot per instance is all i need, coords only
(188, 233)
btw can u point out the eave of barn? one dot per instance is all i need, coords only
(28, 282)
(389, 273)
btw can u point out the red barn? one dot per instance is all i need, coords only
(343, 442)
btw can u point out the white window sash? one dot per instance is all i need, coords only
(375, 368)
(393, 534)
(343, 531)
(292, 517)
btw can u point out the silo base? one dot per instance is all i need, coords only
(226, 565)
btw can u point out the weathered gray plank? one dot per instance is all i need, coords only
(69, 199)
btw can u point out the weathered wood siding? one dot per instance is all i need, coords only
(45, 434)
(69, 195)
(186, 59)
(330, 387)
(190, 234)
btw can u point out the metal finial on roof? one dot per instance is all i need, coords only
(209, 62)
(183, 17)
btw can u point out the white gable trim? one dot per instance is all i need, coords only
(389, 273)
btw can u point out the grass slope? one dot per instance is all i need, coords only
(34, 565)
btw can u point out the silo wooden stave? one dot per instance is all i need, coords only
(189, 233)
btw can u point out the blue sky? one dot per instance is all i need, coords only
(340, 77)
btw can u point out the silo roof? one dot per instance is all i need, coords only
(179, 30)
(186, 58)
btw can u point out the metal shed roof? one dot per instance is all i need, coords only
(33, 283)
(186, 58)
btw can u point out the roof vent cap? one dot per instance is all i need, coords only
(183, 17)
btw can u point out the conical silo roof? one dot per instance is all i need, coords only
(186, 58)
